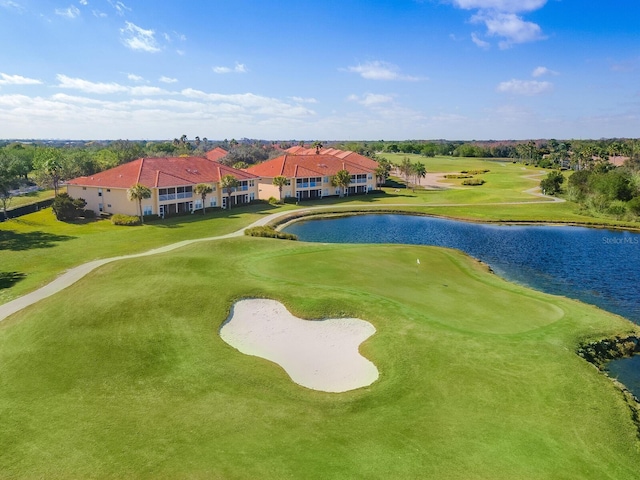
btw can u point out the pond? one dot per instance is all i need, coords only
(597, 266)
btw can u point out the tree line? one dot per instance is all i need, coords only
(600, 188)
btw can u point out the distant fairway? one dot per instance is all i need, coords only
(124, 373)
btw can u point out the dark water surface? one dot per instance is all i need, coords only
(597, 266)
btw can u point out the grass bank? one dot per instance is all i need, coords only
(124, 375)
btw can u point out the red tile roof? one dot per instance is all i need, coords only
(316, 165)
(162, 172)
(345, 155)
(618, 160)
(216, 154)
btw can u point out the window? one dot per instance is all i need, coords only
(214, 202)
(100, 207)
(84, 188)
(198, 204)
(252, 183)
(108, 189)
(252, 196)
(99, 192)
(108, 205)
(147, 210)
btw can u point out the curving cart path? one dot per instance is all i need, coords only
(74, 274)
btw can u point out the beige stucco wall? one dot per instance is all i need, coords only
(114, 200)
(267, 189)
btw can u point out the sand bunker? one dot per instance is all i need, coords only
(319, 354)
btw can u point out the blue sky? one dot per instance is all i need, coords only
(347, 70)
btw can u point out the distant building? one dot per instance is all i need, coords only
(216, 154)
(171, 181)
(309, 174)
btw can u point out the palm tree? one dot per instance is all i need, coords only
(228, 183)
(382, 171)
(52, 168)
(406, 167)
(280, 181)
(342, 179)
(203, 189)
(137, 193)
(419, 171)
(317, 145)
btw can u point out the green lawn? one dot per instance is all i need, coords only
(124, 374)
(35, 248)
(31, 197)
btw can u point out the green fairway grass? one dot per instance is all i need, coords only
(37, 247)
(124, 374)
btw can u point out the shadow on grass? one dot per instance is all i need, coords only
(177, 221)
(9, 279)
(27, 241)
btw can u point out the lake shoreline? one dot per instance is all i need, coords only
(299, 216)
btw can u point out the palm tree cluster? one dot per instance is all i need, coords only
(410, 170)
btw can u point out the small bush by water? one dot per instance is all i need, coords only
(269, 232)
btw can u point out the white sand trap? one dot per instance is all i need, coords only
(320, 354)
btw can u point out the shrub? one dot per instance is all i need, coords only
(88, 214)
(454, 176)
(634, 206)
(67, 208)
(473, 182)
(474, 172)
(598, 203)
(615, 185)
(550, 185)
(273, 201)
(125, 220)
(617, 209)
(269, 232)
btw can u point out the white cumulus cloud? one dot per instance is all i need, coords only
(9, 5)
(479, 42)
(525, 87)
(541, 71)
(378, 70)
(120, 8)
(71, 12)
(371, 99)
(88, 86)
(512, 6)
(238, 68)
(509, 26)
(137, 38)
(164, 79)
(503, 19)
(6, 79)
